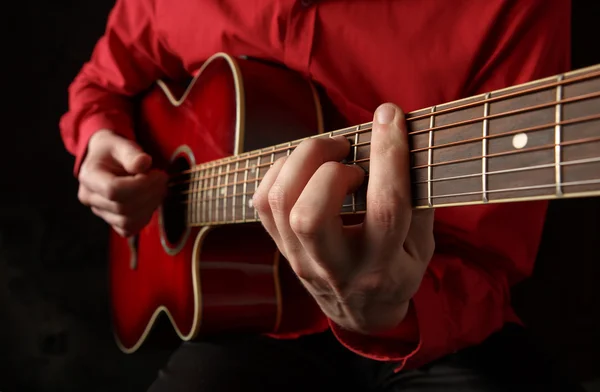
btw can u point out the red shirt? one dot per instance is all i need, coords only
(410, 52)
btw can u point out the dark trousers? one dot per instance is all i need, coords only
(507, 361)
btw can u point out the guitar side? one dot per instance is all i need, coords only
(207, 279)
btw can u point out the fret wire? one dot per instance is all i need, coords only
(210, 218)
(225, 201)
(191, 209)
(197, 198)
(190, 198)
(272, 157)
(207, 195)
(218, 191)
(557, 135)
(234, 189)
(355, 156)
(202, 199)
(256, 175)
(484, 147)
(194, 187)
(244, 201)
(430, 155)
(204, 195)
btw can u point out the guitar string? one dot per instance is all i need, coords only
(442, 179)
(555, 103)
(527, 130)
(213, 208)
(367, 143)
(224, 213)
(365, 160)
(260, 153)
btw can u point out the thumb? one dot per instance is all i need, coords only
(131, 157)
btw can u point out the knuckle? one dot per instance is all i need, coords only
(121, 209)
(334, 169)
(83, 170)
(128, 229)
(386, 212)
(303, 223)
(279, 161)
(121, 221)
(260, 202)
(82, 195)
(128, 233)
(303, 270)
(277, 198)
(316, 145)
(304, 273)
(95, 211)
(111, 190)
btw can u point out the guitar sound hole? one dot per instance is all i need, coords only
(175, 208)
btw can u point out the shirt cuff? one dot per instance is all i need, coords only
(117, 122)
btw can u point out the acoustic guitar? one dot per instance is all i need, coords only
(205, 261)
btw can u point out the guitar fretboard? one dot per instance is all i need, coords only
(540, 140)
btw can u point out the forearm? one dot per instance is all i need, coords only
(126, 60)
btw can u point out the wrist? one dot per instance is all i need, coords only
(373, 317)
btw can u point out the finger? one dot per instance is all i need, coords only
(388, 194)
(293, 177)
(260, 200)
(119, 188)
(91, 199)
(125, 225)
(152, 196)
(420, 242)
(316, 220)
(131, 156)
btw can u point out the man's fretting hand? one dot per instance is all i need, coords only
(362, 276)
(116, 181)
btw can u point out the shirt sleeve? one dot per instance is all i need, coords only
(126, 60)
(481, 251)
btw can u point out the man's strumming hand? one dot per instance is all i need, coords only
(362, 276)
(116, 181)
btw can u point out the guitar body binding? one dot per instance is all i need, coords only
(207, 279)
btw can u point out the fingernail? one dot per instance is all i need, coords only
(385, 114)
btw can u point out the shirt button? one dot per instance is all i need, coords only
(306, 3)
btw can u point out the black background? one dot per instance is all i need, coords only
(54, 326)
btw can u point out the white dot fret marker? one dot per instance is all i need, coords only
(519, 140)
(250, 203)
(223, 191)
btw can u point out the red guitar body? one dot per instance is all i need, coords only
(209, 279)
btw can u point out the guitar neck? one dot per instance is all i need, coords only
(535, 141)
